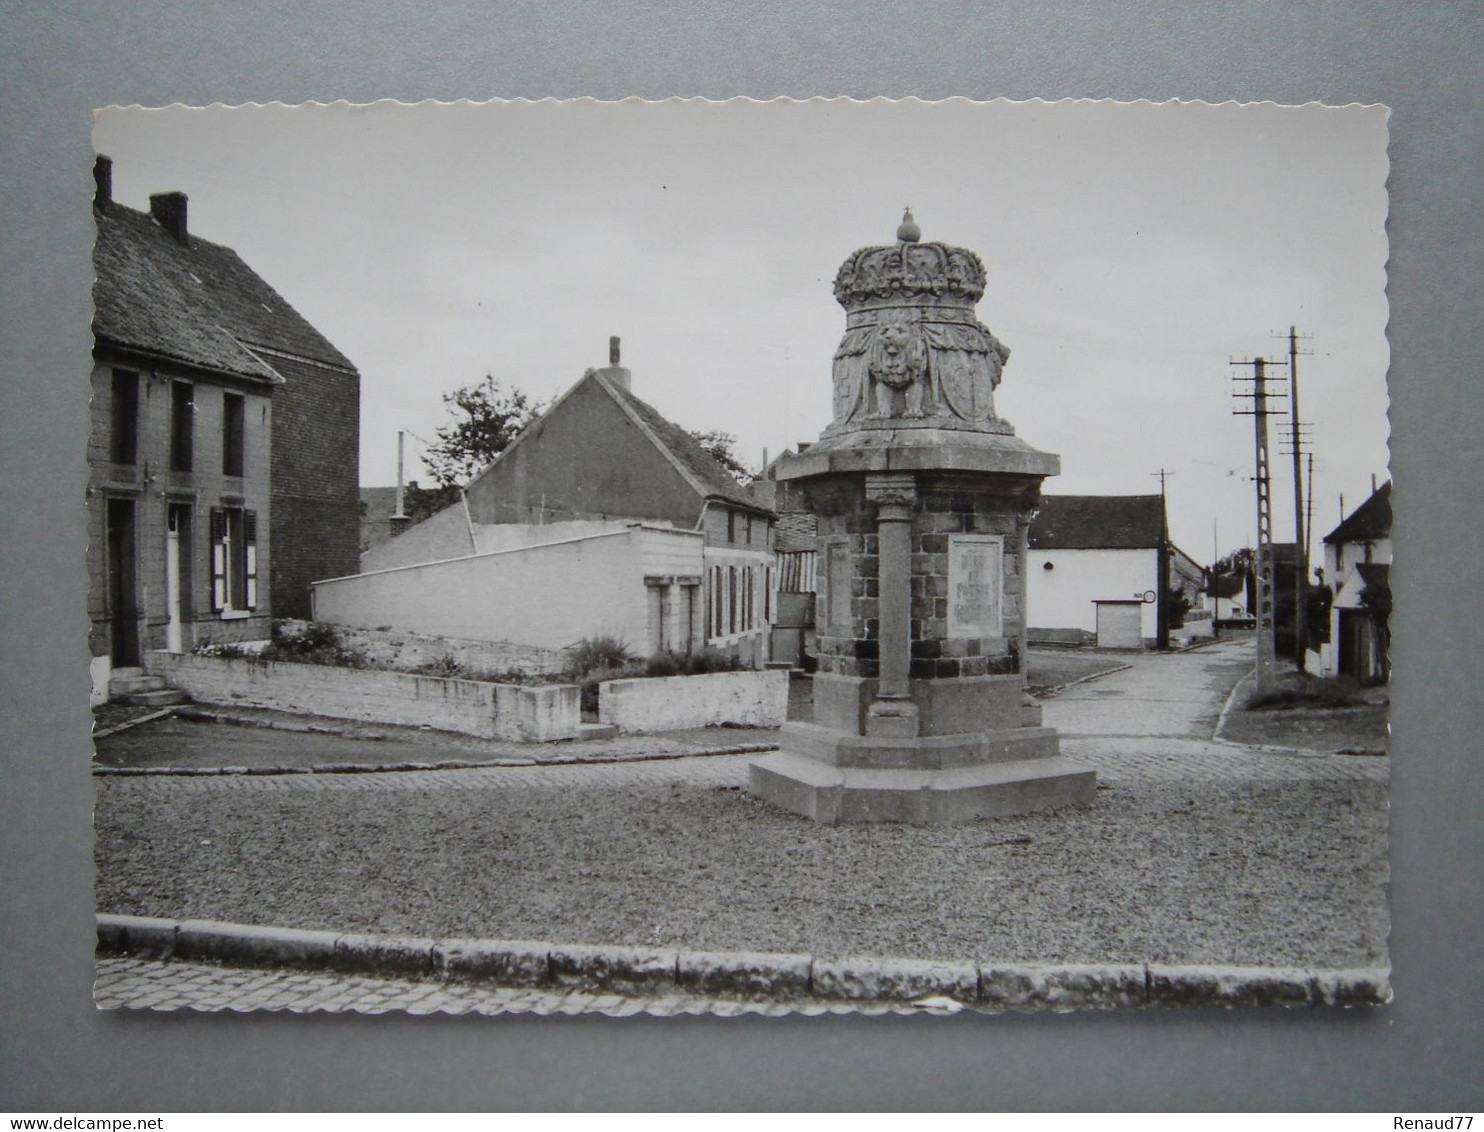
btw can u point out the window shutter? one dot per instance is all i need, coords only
(250, 556)
(218, 559)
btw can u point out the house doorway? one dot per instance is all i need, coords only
(123, 584)
(177, 574)
(1359, 647)
(1119, 624)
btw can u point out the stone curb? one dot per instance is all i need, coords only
(984, 986)
(103, 732)
(1058, 689)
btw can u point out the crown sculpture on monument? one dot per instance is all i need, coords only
(914, 355)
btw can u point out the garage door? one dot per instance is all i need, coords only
(1118, 625)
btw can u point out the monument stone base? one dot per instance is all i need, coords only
(830, 793)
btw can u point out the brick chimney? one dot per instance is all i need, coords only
(169, 211)
(613, 371)
(102, 179)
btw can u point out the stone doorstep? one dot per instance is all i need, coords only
(986, 986)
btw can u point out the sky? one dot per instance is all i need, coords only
(1133, 251)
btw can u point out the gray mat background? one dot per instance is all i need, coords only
(59, 60)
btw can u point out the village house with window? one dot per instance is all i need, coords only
(1357, 568)
(602, 518)
(1102, 568)
(223, 453)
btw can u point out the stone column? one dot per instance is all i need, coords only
(893, 713)
(675, 627)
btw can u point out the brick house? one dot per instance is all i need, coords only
(224, 427)
(597, 461)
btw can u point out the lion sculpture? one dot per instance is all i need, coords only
(897, 360)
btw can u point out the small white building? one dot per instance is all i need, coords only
(1101, 567)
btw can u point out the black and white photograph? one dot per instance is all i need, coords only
(740, 557)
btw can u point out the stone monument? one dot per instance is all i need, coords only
(923, 497)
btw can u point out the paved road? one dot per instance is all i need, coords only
(1176, 695)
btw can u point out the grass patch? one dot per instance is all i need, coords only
(1301, 689)
(1312, 713)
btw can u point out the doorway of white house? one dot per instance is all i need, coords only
(177, 574)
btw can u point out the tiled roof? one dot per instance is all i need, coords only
(1368, 522)
(192, 301)
(1108, 522)
(796, 530)
(687, 451)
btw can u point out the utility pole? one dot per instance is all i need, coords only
(1300, 544)
(1162, 568)
(1260, 411)
(1309, 510)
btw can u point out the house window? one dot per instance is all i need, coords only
(731, 525)
(182, 425)
(233, 409)
(234, 560)
(731, 599)
(718, 602)
(123, 438)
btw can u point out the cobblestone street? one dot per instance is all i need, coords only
(1149, 724)
(144, 984)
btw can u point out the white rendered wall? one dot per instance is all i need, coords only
(1062, 597)
(551, 596)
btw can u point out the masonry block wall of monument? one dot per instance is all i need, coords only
(968, 605)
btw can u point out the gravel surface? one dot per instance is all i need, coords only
(1235, 872)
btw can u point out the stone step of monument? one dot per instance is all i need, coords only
(829, 793)
(597, 731)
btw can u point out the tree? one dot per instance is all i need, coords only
(718, 446)
(1177, 605)
(486, 419)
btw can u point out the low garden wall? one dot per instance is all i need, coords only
(756, 699)
(490, 711)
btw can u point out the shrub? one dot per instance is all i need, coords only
(691, 664)
(445, 667)
(312, 642)
(596, 654)
(225, 651)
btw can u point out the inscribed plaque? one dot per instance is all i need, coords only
(974, 585)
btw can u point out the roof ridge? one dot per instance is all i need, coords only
(724, 487)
